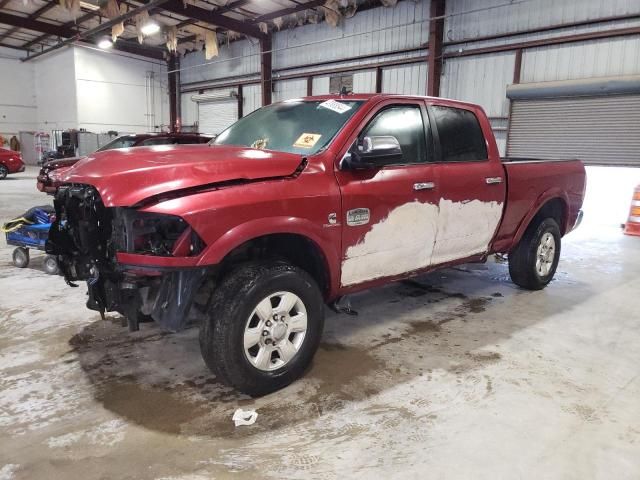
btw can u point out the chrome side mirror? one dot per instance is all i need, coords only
(373, 152)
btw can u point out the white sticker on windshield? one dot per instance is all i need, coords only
(335, 106)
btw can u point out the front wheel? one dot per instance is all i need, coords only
(264, 326)
(21, 257)
(533, 262)
(3, 172)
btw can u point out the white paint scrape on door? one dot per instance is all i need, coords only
(464, 229)
(402, 242)
(416, 235)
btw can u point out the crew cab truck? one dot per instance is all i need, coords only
(296, 205)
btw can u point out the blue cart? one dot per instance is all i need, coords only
(30, 232)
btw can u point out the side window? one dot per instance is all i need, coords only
(461, 138)
(406, 124)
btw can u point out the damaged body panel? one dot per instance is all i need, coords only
(301, 203)
(86, 237)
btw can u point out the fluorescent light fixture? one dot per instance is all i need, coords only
(150, 28)
(105, 43)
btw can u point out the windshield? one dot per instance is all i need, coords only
(295, 126)
(120, 142)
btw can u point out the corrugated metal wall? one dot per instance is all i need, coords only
(406, 79)
(288, 89)
(373, 31)
(594, 58)
(236, 59)
(479, 78)
(483, 78)
(370, 32)
(475, 18)
(252, 97)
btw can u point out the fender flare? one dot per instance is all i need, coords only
(541, 201)
(261, 227)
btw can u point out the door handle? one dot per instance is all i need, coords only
(424, 186)
(493, 180)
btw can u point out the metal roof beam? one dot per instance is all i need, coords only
(79, 21)
(288, 11)
(213, 18)
(135, 48)
(35, 25)
(44, 9)
(87, 34)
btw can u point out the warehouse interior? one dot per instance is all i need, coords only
(458, 373)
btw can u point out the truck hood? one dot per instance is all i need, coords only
(127, 176)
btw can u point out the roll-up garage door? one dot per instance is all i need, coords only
(597, 129)
(214, 117)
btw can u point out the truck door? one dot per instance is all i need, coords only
(389, 213)
(471, 183)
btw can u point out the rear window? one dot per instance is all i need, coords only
(461, 138)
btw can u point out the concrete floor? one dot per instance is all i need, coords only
(458, 376)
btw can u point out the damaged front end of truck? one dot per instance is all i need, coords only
(89, 241)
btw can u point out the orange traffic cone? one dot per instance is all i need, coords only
(632, 226)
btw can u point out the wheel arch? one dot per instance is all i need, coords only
(282, 237)
(551, 205)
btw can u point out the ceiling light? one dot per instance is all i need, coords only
(150, 28)
(105, 43)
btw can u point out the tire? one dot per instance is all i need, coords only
(533, 263)
(3, 172)
(51, 265)
(21, 257)
(234, 322)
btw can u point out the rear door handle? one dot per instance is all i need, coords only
(424, 186)
(493, 180)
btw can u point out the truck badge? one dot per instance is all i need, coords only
(332, 218)
(358, 216)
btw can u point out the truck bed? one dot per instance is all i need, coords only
(530, 184)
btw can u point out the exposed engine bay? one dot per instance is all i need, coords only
(86, 239)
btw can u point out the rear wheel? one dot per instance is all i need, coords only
(533, 262)
(264, 325)
(3, 172)
(51, 265)
(21, 257)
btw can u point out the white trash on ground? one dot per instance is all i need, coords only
(244, 417)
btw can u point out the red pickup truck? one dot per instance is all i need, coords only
(296, 205)
(10, 162)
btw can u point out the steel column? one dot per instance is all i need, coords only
(240, 101)
(379, 80)
(434, 60)
(266, 57)
(173, 65)
(517, 66)
(309, 86)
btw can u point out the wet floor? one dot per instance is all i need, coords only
(456, 374)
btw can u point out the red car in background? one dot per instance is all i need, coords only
(52, 171)
(10, 162)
